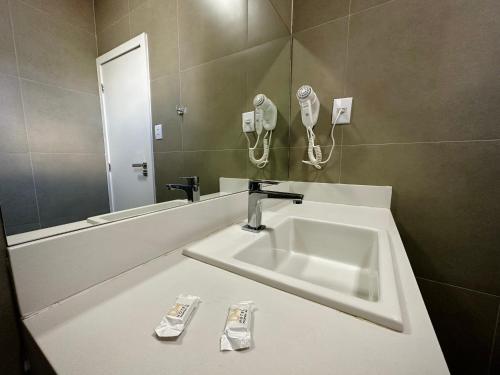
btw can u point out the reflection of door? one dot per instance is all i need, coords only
(126, 113)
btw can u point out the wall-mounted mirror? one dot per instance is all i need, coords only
(102, 108)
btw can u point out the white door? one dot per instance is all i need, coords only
(126, 113)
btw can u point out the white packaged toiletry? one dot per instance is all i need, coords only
(173, 323)
(237, 333)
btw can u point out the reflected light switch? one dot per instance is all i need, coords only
(159, 131)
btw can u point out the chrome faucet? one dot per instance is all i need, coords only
(192, 188)
(255, 197)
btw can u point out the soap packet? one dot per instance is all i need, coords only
(173, 323)
(237, 333)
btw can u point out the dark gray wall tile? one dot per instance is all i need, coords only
(70, 187)
(495, 354)
(319, 57)
(113, 35)
(421, 70)
(7, 51)
(210, 165)
(12, 129)
(359, 5)
(62, 120)
(17, 193)
(80, 13)
(277, 169)
(302, 172)
(284, 9)
(307, 13)
(445, 201)
(52, 52)
(268, 72)
(169, 167)
(264, 23)
(164, 98)
(10, 338)
(158, 18)
(109, 11)
(464, 321)
(211, 29)
(16, 229)
(214, 94)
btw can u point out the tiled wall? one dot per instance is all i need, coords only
(212, 56)
(51, 149)
(425, 77)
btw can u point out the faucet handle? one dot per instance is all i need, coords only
(192, 180)
(257, 184)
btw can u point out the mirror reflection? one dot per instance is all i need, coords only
(120, 113)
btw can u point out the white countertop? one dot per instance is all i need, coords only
(109, 328)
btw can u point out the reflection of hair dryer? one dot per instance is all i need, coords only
(309, 106)
(266, 116)
(309, 111)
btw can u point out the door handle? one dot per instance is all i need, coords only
(144, 167)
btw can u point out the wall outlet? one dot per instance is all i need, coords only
(158, 131)
(248, 122)
(338, 104)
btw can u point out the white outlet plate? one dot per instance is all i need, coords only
(248, 122)
(344, 118)
(158, 131)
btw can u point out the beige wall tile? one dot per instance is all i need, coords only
(421, 70)
(302, 172)
(319, 58)
(164, 99)
(7, 51)
(169, 166)
(114, 35)
(284, 9)
(214, 94)
(211, 29)
(158, 19)
(277, 169)
(307, 13)
(360, 5)
(264, 23)
(60, 120)
(12, 129)
(52, 52)
(268, 72)
(446, 204)
(109, 11)
(210, 165)
(80, 13)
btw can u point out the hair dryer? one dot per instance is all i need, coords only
(266, 115)
(309, 112)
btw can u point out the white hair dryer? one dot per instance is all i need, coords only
(266, 115)
(309, 111)
(309, 106)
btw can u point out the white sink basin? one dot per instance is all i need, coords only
(345, 267)
(333, 256)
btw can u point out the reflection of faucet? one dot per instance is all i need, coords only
(255, 196)
(192, 188)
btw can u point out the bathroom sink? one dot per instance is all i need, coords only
(346, 267)
(337, 257)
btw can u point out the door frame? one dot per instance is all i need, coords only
(138, 42)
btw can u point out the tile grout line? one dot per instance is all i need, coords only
(52, 17)
(181, 119)
(345, 87)
(24, 112)
(346, 15)
(494, 341)
(459, 287)
(95, 30)
(56, 86)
